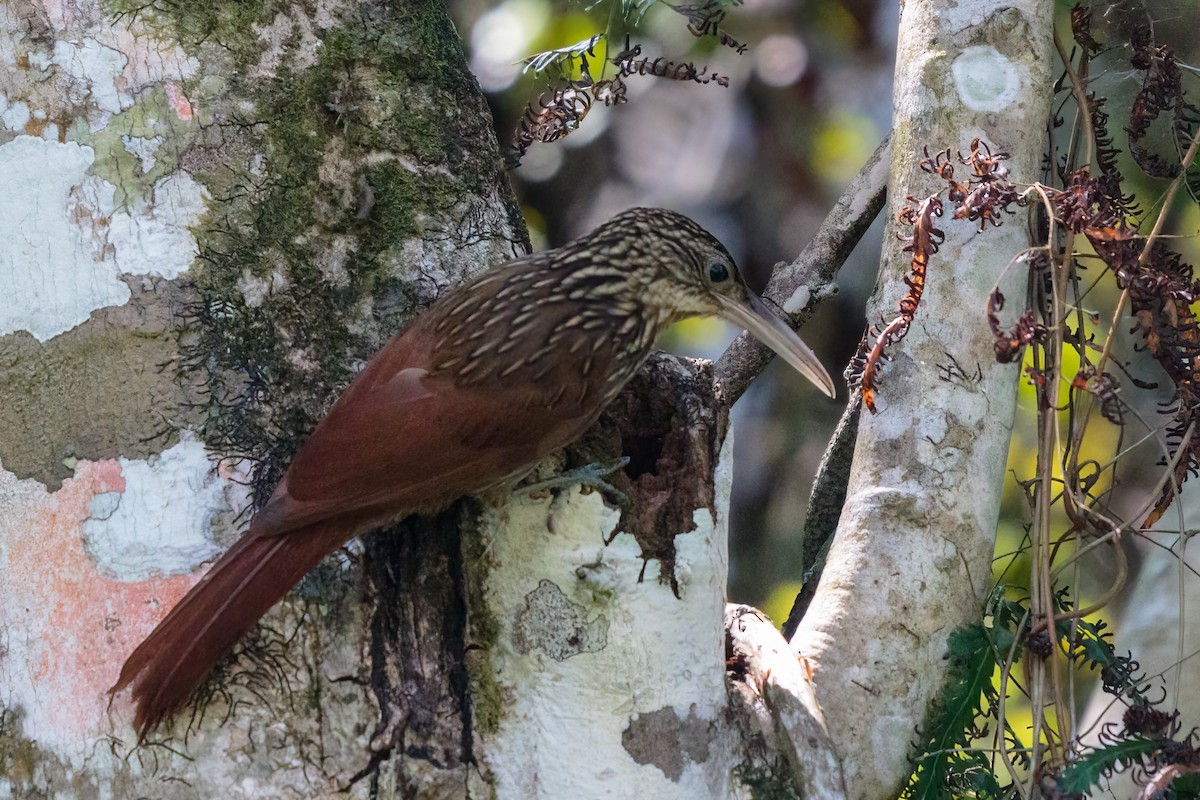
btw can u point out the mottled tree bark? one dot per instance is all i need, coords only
(224, 209)
(212, 213)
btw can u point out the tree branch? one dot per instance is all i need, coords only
(911, 557)
(797, 287)
(772, 698)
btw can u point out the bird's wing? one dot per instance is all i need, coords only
(401, 441)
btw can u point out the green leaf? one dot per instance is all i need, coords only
(1082, 774)
(951, 723)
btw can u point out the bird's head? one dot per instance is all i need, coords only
(681, 270)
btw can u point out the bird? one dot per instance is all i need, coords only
(467, 399)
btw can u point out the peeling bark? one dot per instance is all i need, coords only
(670, 424)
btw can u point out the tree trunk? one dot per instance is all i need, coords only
(912, 553)
(212, 212)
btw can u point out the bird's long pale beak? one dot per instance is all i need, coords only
(771, 330)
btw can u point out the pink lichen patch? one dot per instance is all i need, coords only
(72, 627)
(106, 476)
(179, 102)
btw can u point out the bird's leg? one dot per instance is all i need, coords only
(589, 476)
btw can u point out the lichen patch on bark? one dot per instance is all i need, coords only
(65, 619)
(553, 624)
(668, 741)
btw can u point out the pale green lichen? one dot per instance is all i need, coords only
(151, 117)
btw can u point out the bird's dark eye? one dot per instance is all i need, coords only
(718, 272)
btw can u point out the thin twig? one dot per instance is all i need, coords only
(796, 287)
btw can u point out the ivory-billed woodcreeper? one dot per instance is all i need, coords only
(492, 378)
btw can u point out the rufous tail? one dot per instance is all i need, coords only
(254, 575)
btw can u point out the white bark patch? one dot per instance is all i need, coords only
(798, 299)
(14, 116)
(94, 68)
(578, 708)
(161, 523)
(986, 80)
(144, 148)
(64, 244)
(64, 283)
(153, 238)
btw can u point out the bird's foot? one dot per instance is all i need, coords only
(589, 476)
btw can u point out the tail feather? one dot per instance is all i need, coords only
(241, 587)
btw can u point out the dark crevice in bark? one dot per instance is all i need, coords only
(670, 423)
(417, 632)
